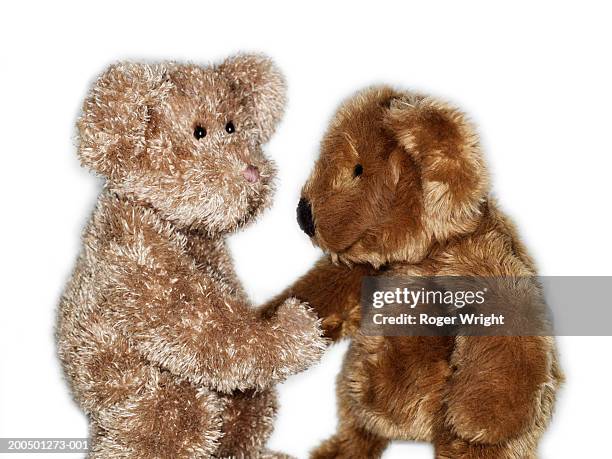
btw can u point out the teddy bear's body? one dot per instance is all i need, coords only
(155, 332)
(473, 397)
(400, 190)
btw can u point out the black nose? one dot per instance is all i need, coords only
(304, 217)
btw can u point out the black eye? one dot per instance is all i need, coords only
(229, 127)
(358, 170)
(199, 132)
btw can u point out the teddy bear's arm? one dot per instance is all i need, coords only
(496, 386)
(333, 291)
(182, 321)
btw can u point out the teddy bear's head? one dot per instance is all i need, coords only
(397, 173)
(185, 139)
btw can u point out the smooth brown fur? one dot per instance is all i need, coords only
(157, 338)
(420, 206)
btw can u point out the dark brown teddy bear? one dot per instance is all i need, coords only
(400, 189)
(155, 332)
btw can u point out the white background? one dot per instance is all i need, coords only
(534, 76)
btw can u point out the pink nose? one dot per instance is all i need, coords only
(251, 174)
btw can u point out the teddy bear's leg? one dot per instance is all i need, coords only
(500, 417)
(248, 420)
(353, 439)
(168, 418)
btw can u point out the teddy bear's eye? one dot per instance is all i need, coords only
(229, 127)
(199, 132)
(358, 170)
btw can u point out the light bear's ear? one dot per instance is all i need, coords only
(112, 128)
(446, 148)
(260, 86)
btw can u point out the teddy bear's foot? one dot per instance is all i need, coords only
(450, 447)
(264, 454)
(351, 443)
(268, 454)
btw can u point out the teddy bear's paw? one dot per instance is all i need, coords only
(304, 332)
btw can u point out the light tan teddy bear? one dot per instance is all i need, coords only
(155, 333)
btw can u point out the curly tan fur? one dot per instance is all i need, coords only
(157, 338)
(401, 189)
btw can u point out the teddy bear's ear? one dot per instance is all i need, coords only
(446, 148)
(115, 114)
(260, 86)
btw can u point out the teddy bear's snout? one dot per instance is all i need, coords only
(304, 217)
(251, 173)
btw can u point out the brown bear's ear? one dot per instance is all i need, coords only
(446, 148)
(260, 86)
(115, 114)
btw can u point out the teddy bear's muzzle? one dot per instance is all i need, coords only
(304, 217)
